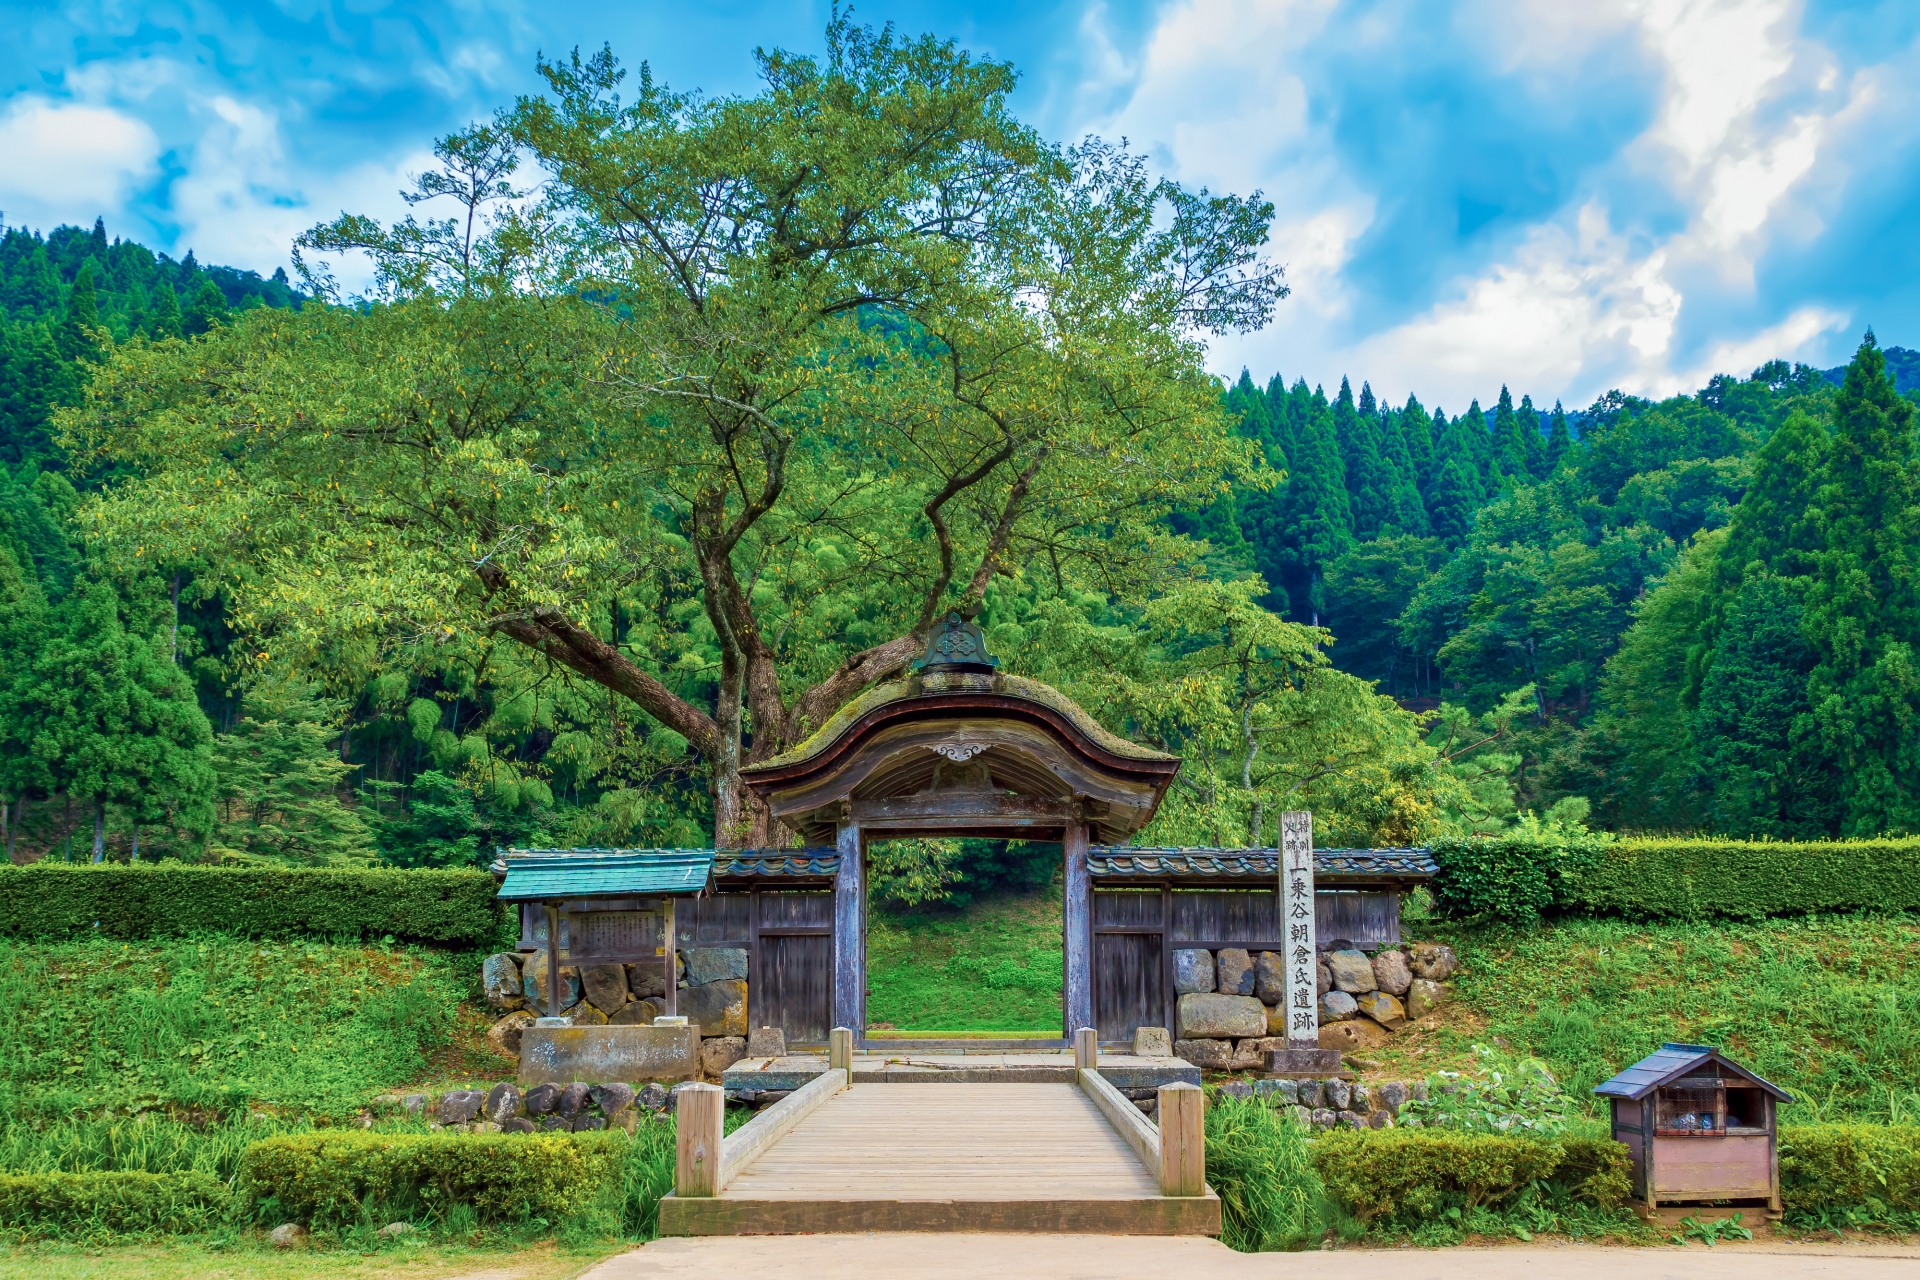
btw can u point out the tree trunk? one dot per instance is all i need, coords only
(99, 829)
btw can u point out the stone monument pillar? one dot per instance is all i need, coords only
(1303, 1054)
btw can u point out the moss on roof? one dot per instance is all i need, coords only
(888, 691)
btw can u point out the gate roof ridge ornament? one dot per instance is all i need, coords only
(956, 644)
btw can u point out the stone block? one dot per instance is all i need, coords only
(766, 1042)
(1192, 972)
(613, 1098)
(1298, 1062)
(1383, 1009)
(502, 1104)
(1276, 1020)
(1424, 996)
(518, 1125)
(560, 1055)
(588, 1122)
(414, 1104)
(1322, 976)
(1352, 971)
(715, 964)
(533, 982)
(1282, 1093)
(1233, 972)
(1337, 1006)
(504, 1035)
(288, 1235)
(459, 1106)
(653, 1097)
(1337, 1092)
(1392, 1096)
(644, 978)
(1350, 1120)
(1236, 1089)
(717, 1053)
(606, 987)
(1270, 977)
(1324, 1117)
(539, 1100)
(1248, 1055)
(1433, 961)
(1152, 1042)
(1379, 1120)
(1208, 1055)
(573, 1099)
(638, 1013)
(1363, 1100)
(1390, 972)
(585, 1015)
(1312, 1093)
(1299, 1115)
(1358, 1033)
(500, 977)
(1216, 1017)
(717, 1008)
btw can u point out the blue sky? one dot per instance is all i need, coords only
(1563, 195)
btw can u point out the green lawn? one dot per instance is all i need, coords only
(994, 965)
(196, 1260)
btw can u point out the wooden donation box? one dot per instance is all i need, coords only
(1701, 1128)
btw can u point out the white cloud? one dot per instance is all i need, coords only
(68, 161)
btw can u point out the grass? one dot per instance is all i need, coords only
(994, 965)
(253, 1260)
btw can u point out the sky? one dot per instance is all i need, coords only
(1563, 196)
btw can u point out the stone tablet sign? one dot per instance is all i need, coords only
(1303, 1054)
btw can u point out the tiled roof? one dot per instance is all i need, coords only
(535, 874)
(1116, 862)
(1670, 1062)
(774, 863)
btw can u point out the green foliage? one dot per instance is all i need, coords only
(992, 965)
(1415, 1174)
(143, 1139)
(214, 1024)
(1698, 878)
(1514, 877)
(1851, 1175)
(280, 781)
(51, 900)
(336, 1180)
(1501, 1095)
(91, 1205)
(1262, 1168)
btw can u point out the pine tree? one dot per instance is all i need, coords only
(82, 316)
(1559, 439)
(1369, 482)
(1453, 501)
(1509, 449)
(1533, 443)
(1416, 427)
(163, 313)
(1476, 441)
(209, 307)
(1409, 511)
(1302, 526)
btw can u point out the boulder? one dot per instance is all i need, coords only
(288, 1235)
(1192, 972)
(767, 1042)
(1433, 961)
(653, 1096)
(715, 964)
(1352, 971)
(717, 1053)
(639, 1013)
(1418, 1091)
(1363, 1099)
(1350, 1120)
(1299, 1115)
(1324, 1117)
(1424, 996)
(1392, 1096)
(1380, 1120)
(1233, 969)
(1390, 972)
(1322, 976)
(1312, 1093)
(414, 1104)
(644, 978)
(1270, 977)
(585, 1015)
(1383, 1009)
(1276, 1020)
(394, 1230)
(540, 1099)
(613, 1098)
(717, 1008)
(1337, 1092)
(1248, 1055)
(1208, 1055)
(459, 1106)
(673, 1095)
(502, 1104)
(533, 982)
(519, 1124)
(587, 1123)
(1152, 1042)
(572, 1100)
(504, 1035)
(606, 987)
(1337, 1006)
(1215, 1017)
(1356, 1033)
(1147, 1106)
(555, 1124)
(500, 977)
(1236, 1089)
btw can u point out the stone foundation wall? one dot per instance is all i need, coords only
(1325, 1104)
(711, 993)
(1229, 1011)
(507, 1108)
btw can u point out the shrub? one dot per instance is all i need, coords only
(334, 1180)
(1502, 1094)
(58, 900)
(1517, 879)
(1261, 1166)
(1595, 1171)
(43, 1204)
(1851, 1174)
(1747, 879)
(1421, 1173)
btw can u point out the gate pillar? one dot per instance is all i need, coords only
(1077, 926)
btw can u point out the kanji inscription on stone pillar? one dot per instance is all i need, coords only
(1297, 923)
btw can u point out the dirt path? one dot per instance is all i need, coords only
(989, 1257)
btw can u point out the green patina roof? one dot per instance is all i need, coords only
(536, 874)
(1007, 686)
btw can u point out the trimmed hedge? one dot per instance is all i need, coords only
(1844, 1169)
(59, 900)
(332, 1180)
(1519, 880)
(1420, 1173)
(38, 1204)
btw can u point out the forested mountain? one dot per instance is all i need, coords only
(1708, 599)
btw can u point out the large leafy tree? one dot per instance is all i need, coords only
(724, 423)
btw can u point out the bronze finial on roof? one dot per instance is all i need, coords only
(956, 645)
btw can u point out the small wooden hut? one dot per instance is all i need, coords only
(1701, 1127)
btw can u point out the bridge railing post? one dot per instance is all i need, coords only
(1086, 1049)
(1183, 1140)
(698, 1122)
(840, 1051)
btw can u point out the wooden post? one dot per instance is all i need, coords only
(553, 959)
(698, 1120)
(672, 961)
(1086, 1049)
(1077, 927)
(840, 1051)
(849, 933)
(1183, 1140)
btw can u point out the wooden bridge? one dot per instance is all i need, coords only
(834, 1157)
